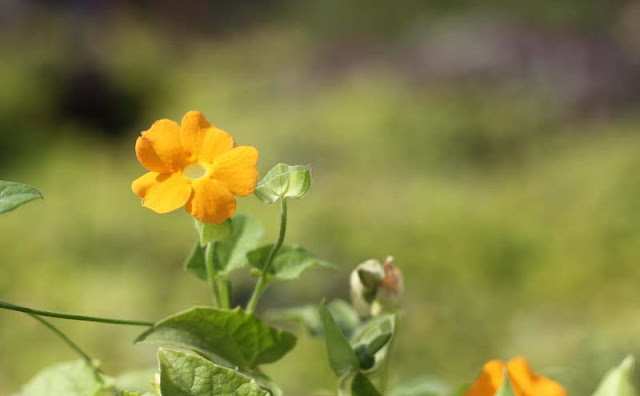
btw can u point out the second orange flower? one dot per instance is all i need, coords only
(194, 165)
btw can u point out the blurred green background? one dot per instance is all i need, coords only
(493, 149)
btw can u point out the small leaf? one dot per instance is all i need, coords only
(196, 262)
(284, 181)
(342, 357)
(619, 381)
(212, 232)
(289, 263)
(234, 336)
(231, 252)
(70, 379)
(14, 194)
(505, 389)
(182, 374)
(361, 386)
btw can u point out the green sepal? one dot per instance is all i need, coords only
(620, 380)
(182, 374)
(371, 340)
(361, 386)
(227, 336)
(75, 378)
(208, 232)
(505, 389)
(289, 262)
(13, 195)
(342, 357)
(284, 181)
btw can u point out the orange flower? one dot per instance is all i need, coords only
(194, 165)
(524, 382)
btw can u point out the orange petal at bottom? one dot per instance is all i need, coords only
(211, 201)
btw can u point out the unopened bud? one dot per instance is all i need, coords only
(376, 287)
(390, 290)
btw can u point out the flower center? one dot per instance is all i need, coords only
(194, 171)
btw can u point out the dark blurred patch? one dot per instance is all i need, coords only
(86, 96)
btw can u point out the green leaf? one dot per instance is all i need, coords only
(14, 194)
(345, 316)
(619, 381)
(342, 358)
(361, 386)
(284, 181)
(182, 374)
(231, 253)
(234, 336)
(196, 262)
(70, 379)
(505, 388)
(212, 232)
(370, 341)
(289, 263)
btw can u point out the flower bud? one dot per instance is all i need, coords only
(390, 290)
(365, 280)
(376, 287)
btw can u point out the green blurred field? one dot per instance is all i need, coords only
(518, 230)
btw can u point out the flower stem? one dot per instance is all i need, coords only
(225, 293)
(262, 281)
(13, 307)
(71, 345)
(211, 279)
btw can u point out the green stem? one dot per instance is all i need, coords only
(225, 292)
(262, 281)
(71, 345)
(211, 271)
(13, 307)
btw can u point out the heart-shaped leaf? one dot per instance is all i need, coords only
(182, 374)
(234, 336)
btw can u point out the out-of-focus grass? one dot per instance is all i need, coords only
(518, 235)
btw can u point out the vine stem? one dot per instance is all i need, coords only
(13, 307)
(262, 281)
(71, 345)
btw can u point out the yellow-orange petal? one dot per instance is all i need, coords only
(489, 381)
(148, 157)
(211, 201)
(236, 168)
(164, 139)
(193, 128)
(162, 193)
(527, 383)
(214, 142)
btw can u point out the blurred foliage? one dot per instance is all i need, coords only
(515, 220)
